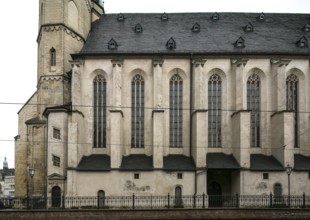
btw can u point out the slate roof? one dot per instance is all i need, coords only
(95, 162)
(137, 162)
(178, 163)
(301, 162)
(277, 34)
(260, 162)
(8, 172)
(222, 161)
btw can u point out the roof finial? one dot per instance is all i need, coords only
(5, 163)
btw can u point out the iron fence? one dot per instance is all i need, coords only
(156, 202)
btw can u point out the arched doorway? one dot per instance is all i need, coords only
(56, 196)
(101, 199)
(215, 194)
(178, 196)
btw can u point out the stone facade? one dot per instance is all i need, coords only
(57, 138)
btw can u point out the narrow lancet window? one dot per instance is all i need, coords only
(53, 57)
(214, 111)
(253, 104)
(100, 115)
(137, 112)
(292, 102)
(175, 110)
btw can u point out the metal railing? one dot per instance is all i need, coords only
(156, 202)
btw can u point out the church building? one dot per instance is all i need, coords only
(166, 103)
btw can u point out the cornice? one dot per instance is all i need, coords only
(59, 27)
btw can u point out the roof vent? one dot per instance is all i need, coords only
(196, 27)
(249, 27)
(302, 42)
(112, 44)
(240, 43)
(164, 17)
(261, 17)
(138, 28)
(120, 17)
(306, 28)
(171, 45)
(215, 17)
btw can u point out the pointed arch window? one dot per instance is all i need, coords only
(52, 56)
(100, 112)
(253, 104)
(292, 102)
(137, 112)
(175, 113)
(214, 110)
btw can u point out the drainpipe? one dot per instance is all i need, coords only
(45, 152)
(190, 118)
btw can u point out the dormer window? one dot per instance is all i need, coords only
(138, 28)
(196, 27)
(249, 27)
(239, 43)
(302, 42)
(164, 17)
(120, 17)
(215, 17)
(261, 17)
(112, 44)
(171, 45)
(306, 28)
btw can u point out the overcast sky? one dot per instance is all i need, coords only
(19, 29)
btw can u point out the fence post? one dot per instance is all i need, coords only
(237, 200)
(168, 200)
(63, 201)
(133, 201)
(270, 200)
(194, 200)
(304, 200)
(203, 201)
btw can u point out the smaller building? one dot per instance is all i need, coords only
(7, 181)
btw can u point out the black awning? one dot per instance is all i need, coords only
(261, 162)
(221, 161)
(301, 163)
(95, 162)
(178, 163)
(137, 162)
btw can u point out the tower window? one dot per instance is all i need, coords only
(180, 175)
(53, 57)
(56, 133)
(136, 176)
(56, 161)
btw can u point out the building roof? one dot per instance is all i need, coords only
(232, 33)
(137, 162)
(301, 162)
(6, 172)
(260, 162)
(95, 162)
(178, 163)
(221, 161)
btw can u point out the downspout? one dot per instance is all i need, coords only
(45, 154)
(190, 118)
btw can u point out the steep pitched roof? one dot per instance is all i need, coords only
(275, 34)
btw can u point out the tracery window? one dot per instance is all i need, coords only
(137, 112)
(292, 102)
(100, 109)
(175, 113)
(214, 110)
(253, 104)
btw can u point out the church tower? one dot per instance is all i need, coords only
(63, 29)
